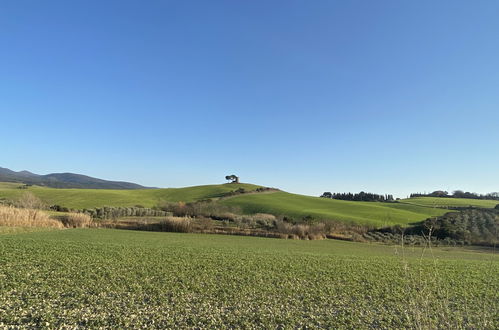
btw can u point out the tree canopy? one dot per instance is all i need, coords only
(232, 178)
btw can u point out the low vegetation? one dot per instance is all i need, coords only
(91, 278)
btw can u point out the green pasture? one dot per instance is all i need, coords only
(92, 198)
(298, 206)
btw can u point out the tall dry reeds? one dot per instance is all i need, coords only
(301, 231)
(15, 217)
(176, 225)
(77, 220)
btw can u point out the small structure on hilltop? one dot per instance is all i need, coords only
(232, 178)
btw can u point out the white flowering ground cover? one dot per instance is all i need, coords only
(112, 278)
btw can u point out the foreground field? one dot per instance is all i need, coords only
(450, 202)
(99, 277)
(298, 206)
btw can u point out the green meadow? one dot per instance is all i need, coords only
(298, 206)
(111, 278)
(405, 212)
(92, 198)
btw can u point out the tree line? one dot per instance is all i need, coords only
(458, 194)
(361, 197)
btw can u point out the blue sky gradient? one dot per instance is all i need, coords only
(308, 96)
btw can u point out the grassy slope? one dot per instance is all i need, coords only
(110, 278)
(298, 206)
(90, 198)
(453, 202)
(279, 203)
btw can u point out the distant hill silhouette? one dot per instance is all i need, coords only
(64, 180)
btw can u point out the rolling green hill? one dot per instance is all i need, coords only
(450, 202)
(91, 198)
(278, 203)
(299, 206)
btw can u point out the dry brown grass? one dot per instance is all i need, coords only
(77, 220)
(15, 217)
(176, 225)
(302, 231)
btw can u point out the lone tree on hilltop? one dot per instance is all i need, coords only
(232, 178)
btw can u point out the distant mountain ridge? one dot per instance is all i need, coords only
(64, 180)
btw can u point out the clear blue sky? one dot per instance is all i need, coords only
(308, 96)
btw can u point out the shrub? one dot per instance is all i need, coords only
(29, 201)
(255, 220)
(15, 217)
(77, 220)
(59, 208)
(264, 219)
(201, 209)
(205, 224)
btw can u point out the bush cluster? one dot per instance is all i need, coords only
(108, 212)
(470, 226)
(29, 201)
(204, 208)
(240, 191)
(258, 220)
(473, 226)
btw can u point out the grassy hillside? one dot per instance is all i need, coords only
(90, 198)
(95, 278)
(299, 206)
(450, 202)
(278, 203)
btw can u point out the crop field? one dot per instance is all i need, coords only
(112, 278)
(298, 206)
(92, 198)
(450, 202)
